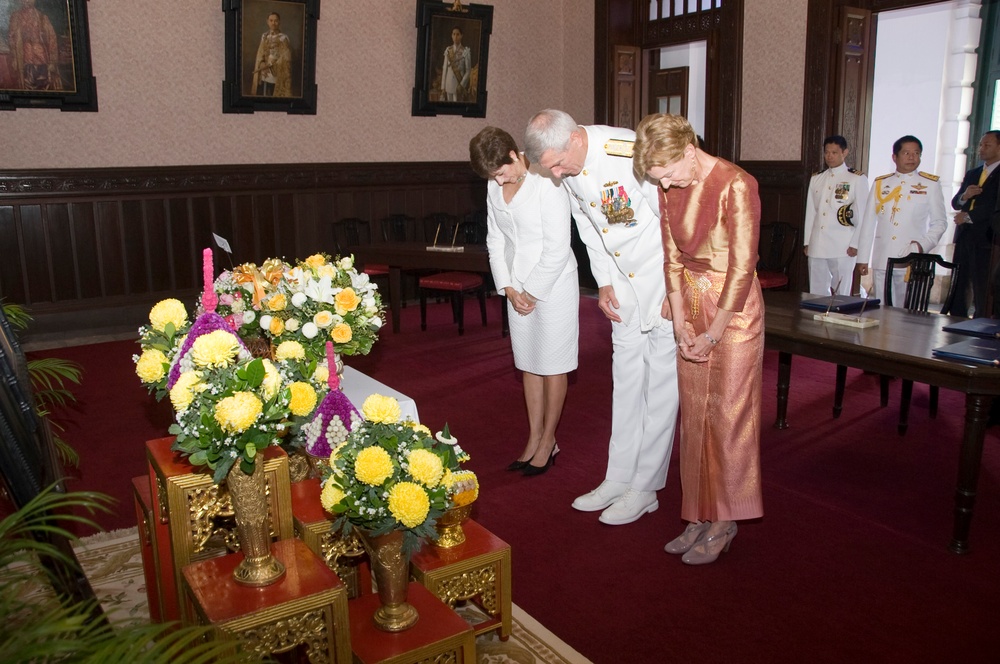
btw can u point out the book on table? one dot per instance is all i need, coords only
(974, 350)
(986, 328)
(841, 304)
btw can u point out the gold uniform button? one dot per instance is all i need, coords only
(604, 230)
(617, 254)
(593, 204)
(631, 275)
(893, 237)
(585, 172)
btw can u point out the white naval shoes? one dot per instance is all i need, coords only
(629, 507)
(600, 497)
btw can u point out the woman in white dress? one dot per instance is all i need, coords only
(528, 238)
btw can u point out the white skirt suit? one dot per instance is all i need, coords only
(529, 244)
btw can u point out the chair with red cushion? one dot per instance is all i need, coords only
(457, 284)
(776, 249)
(352, 232)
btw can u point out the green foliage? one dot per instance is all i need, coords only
(64, 631)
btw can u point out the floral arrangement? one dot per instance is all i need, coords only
(392, 475)
(322, 299)
(230, 405)
(160, 342)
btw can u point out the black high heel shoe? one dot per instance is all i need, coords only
(530, 470)
(517, 465)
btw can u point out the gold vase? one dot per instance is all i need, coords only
(249, 497)
(449, 527)
(391, 567)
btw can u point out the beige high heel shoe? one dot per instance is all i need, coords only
(688, 538)
(710, 547)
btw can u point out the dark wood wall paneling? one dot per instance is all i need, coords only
(90, 250)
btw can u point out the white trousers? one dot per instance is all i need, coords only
(898, 286)
(644, 404)
(827, 273)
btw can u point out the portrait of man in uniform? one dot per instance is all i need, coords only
(272, 51)
(453, 60)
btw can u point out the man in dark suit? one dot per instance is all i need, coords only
(977, 201)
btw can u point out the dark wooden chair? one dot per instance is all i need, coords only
(917, 297)
(443, 229)
(351, 232)
(398, 228)
(473, 230)
(775, 250)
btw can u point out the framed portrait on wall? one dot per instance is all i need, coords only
(45, 55)
(453, 45)
(270, 56)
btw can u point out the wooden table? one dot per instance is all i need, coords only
(899, 346)
(401, 256)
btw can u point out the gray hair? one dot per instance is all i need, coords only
(548, 130)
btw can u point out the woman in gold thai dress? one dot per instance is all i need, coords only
(710, 215)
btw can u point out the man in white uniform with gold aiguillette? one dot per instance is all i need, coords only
(835, 208)
(904, 214)
(618, 219)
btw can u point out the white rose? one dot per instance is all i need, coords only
(299, 299)
(376, 322)
(309, 330)
(248, 316)
(265, 321)
(292, 324)
(346, 263)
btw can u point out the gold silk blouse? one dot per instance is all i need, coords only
(713, 226)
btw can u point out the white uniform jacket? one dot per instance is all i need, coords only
(826, 233)
(901, 209)
(529, 238)
(626, 251)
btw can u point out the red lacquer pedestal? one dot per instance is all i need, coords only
(148, 544)
(306, 608)
(345, 556)
(478, 570)
(439, 634)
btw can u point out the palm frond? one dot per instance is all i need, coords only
(49, 376)
(17, 315)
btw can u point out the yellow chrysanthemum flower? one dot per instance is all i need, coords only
(315, 260)
(167, 311)
(373, 466)
(237, 413)
(418, 427)
(303, 398)
(278, 302)
(346, 300)
(215, 349)
(183, 391)
(277, 326)
(330, 496)
(149, 368)
(409, 504)
(321, 375)
(323, 319)
(271, 384)
(425, 467)
(289, 350)
(378, 408)
(341, 333)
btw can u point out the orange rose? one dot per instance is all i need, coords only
(341, 333)
(278, 302)
(277, 326)
(346, 300)
(315, 260)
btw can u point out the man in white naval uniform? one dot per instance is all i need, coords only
(618, 219)
(835, 207)
(904, 214)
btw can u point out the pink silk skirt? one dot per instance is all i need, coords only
(720, 408)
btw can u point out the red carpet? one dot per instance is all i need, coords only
(849, 564)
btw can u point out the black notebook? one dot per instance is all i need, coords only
(976, 351)
(987, 328)
(842, 304)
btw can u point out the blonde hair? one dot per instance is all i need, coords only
(660, 139)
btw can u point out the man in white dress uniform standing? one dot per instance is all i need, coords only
(904, 214)
(835, 207)
(618, 220)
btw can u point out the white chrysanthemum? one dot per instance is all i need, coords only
(299, 299)
(309, 330)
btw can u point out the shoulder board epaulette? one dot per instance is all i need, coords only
(882, 177)
(815, 173)
(856, 172)
(929, 176)
(616, 147)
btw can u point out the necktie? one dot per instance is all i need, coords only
(982, 178)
